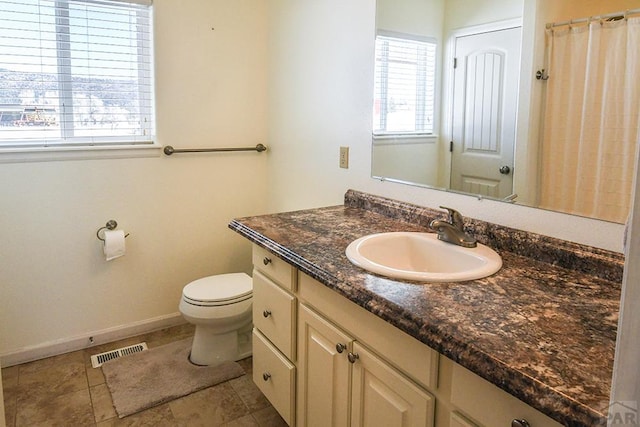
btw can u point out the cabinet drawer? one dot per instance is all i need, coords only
(489, 405)
(274, 375)
(274, 312)
(275, 268)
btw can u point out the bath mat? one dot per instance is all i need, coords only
(142, 380)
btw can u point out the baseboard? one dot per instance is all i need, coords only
(90, 339)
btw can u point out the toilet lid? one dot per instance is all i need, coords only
(227, 288)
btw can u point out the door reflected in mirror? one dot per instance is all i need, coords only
(487, 137)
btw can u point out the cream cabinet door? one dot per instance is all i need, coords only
(382, 397)
(323, 371)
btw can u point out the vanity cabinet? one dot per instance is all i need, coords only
(322, 360)
(341, 380)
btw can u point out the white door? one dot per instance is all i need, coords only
(485, 99)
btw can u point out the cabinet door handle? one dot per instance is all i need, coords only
(340, 347)
(520, 423)
(266, 313)
(266, 376)
(266, 261)
(353, 357)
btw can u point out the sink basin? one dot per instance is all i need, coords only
(422, 257)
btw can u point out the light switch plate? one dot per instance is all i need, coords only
(344, 157)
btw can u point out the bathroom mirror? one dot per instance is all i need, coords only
(459, 153)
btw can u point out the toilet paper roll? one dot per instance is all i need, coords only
(114, 246)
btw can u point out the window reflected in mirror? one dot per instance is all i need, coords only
(404, 93)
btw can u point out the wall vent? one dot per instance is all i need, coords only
(98, 359)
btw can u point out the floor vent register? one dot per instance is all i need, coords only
(98, 359)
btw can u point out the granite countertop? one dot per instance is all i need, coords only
(543, 328)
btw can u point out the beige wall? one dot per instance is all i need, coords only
(463, 13)
(320, 98)
(211, 91)
(411, 160)
(418, 17)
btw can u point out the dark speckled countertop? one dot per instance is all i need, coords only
(543, 328)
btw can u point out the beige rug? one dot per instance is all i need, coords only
(149, 378)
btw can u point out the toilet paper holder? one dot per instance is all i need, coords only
(110, 225)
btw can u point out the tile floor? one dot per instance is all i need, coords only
(65, 391)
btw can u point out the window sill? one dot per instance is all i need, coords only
(57, 153)
(390, 139)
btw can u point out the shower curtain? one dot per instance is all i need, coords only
(591, 119)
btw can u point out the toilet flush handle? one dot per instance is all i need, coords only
(266, 313)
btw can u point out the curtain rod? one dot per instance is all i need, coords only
(622, 14)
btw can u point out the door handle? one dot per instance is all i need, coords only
(504, 170)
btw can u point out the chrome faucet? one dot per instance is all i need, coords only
(452, 230)
(511, 198)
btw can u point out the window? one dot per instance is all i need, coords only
(75, 73)
(404, 93)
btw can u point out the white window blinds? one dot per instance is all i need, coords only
(75, 72)
(404, 93)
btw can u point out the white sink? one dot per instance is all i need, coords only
(422, 257)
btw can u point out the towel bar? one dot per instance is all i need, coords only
(169, 150)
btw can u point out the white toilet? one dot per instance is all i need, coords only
(220, 307)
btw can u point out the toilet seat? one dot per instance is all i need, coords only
(218, 290)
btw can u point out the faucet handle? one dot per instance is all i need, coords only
(454, 217)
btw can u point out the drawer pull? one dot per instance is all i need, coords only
(353, 357)
(520, 423)
(266, 376)
(266, 313)
(340, 347)
(266, 261)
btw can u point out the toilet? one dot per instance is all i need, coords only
(220, 308)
